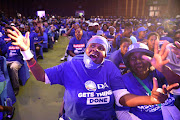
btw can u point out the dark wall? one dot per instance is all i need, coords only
(68, 7)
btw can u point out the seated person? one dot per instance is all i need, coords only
(151, 39)
(37, 37)
(14, 63)
(77, 44)
(141, 35)
(163, 35)
(111, 39)
(117, 56)
(139, 81)
(8, 108)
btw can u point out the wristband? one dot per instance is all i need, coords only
(32, 64)
(27, 55)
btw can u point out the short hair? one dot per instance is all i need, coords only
(125, 40)
(153, 33)
(128, 25)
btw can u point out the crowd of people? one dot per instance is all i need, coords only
(118, 64)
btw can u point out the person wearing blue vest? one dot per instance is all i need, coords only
(92, 85)
(145, 66)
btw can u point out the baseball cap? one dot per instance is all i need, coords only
(160, 27)
(141, 29)
(94, 24)
(12, 24)
(136, 47)
(90, 24)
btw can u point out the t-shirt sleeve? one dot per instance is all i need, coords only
(70, 46)
(116, 79)
(56, 74)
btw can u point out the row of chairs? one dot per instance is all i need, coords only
(8, 92)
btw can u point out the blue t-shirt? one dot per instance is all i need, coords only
(140, 40)
(3, 46)
(118, 39)
(31, 36)
(77, 46)
(90, 34)
(88, 92)
(13, 53)
(145, 112)
(117, 59)
(6, 38)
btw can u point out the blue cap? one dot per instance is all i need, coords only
(160, 27)
(136, 47)
(141, 29)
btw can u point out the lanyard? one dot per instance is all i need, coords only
(144, 86)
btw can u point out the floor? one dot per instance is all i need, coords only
(37, 101)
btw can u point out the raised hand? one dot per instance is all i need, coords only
(159, 59)
(176, 49)
(20, 40)
(159, 95)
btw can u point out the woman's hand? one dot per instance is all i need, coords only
(20, 40)
(160, 95)
(176, 49)
(159, 59)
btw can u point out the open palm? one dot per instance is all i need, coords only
(20, 40)
(159, 59)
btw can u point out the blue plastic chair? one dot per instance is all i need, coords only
(23, 73)
(8, 90)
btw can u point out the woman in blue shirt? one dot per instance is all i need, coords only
(90, 84)
(140, 80)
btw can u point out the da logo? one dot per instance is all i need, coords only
(90, 85)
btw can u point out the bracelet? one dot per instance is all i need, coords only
(27, 55)
(32, 64)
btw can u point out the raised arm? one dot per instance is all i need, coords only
(159, 61)
(24, 44)
(156, 97)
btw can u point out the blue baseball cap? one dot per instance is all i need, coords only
(136, 47)
(160, 27)
(141, 29)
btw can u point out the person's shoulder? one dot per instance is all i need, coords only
(73, 39)
(127, 77)
(115, 54)
(108, 63)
